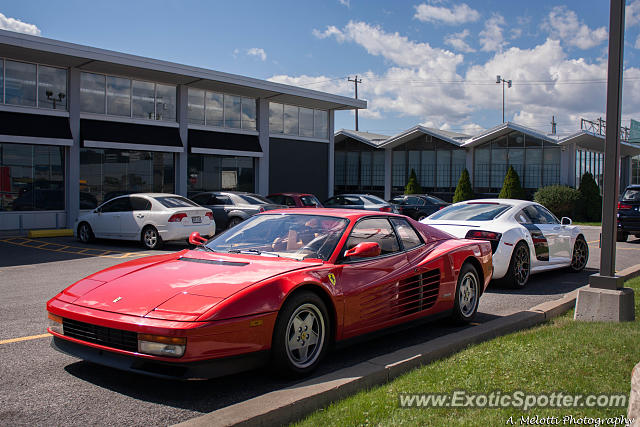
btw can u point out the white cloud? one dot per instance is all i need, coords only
(346, 3)
(563, 24)
(491, 38)
(330, 31)
(637, 45)
(457, 41)
(458, 14)
(257, 52)
(632, 14)
(18, 26)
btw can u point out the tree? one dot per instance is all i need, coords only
(463, 189)
(559, 199)
(511, 188)
(589, 205)
(412, 186)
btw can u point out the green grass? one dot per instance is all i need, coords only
(587, 223)
(561, 355)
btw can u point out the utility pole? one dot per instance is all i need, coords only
(503, 81)
(553, 125)
(355, 81)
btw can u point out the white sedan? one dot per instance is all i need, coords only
(526, 238)
(152, 218)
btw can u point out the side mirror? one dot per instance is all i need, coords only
(364, 250)
(196, 239)
(566, 221)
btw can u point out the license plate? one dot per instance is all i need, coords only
(196, 219)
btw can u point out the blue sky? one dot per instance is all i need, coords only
(432, 62)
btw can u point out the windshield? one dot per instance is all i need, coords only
(290, 236)
(254, 199)
(471, 212)
(374, 199)
(631, 195)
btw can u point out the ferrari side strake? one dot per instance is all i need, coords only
(280, 287)
(525, 236)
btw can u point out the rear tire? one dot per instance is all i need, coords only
(580, 255)
(85, 233)
(301, 335)
(151, 238)
(621, 236)
(519, 267)
(421, 217)
(234, 221)
(467, 297)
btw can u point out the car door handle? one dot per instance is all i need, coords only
(556, 228)
(140, 216)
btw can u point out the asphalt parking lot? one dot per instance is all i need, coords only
(41, 386)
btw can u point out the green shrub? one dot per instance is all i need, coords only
(511, 188)
(464, 191)
(412, 186)
(559, 199)
(589, 205)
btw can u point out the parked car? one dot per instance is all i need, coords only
(295, 200)
(230, 208)
(418, 206)
(359, 201)
(153, 218)
(269, 289)
(525, 236)
(629, 213)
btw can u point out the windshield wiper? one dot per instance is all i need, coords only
(205, 248)
(253, 252)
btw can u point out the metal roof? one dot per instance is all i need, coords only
(63, 54)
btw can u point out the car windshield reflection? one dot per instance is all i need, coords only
(283, 235)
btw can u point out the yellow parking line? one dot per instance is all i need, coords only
(32, 337)
(593, 241)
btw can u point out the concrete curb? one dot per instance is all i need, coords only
(58, 232)
(295, 402)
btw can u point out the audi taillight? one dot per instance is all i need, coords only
(385, 209)
(492, 237)
(622, 207)
(177, 217)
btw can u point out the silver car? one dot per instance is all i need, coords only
(367, 202)
(232, 207)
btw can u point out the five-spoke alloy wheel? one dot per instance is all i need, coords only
(467, 295)
(580, 255)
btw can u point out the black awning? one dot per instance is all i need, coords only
(223, 141)
(34, 125)
(129, 133)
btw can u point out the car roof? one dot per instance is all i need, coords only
(510, 202)
(352, 214)
(290, 194)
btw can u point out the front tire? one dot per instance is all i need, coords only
(85, 233)
(151, 238)
(580, 255)
(301, 335)
(519, 267)
(467, 297)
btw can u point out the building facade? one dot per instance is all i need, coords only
(381, 165)
(81, 125)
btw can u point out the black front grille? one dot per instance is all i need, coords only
(109, 337)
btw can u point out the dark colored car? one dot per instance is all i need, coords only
(418, 206)
(295, 200)
(629, 213)
(366, 202)
(232, 207)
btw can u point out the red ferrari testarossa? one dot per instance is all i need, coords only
(281, 286)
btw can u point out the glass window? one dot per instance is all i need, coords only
(253, 199)
(309, 201)
(175, 202)
(306, 122)
(340, 163)
(376, 230)
(52, 88)
(352, 200)
(522, 217)
(108, 173)
(207, 173)
(121, 204)
(201, 199)
(232, 111)
(533, 171)
(320, 124)
(399, 173)
(546, 216)
(551, 171)
(334, 201)
(481, 166)
(414, 163)
(140, 204)
(118, 96)
(195, 106)
(290, 120)
(407, 234)
(475, 211)
(516, 159)
(249, 113)
(276, 117)
(377, 177)
(221, 200)
(142, 98)
(214, 104)
(427, 169)
(353, 159)
(1, 80)
(20, 83)
(165, 102)
(458, 164)
(498, 166)
(31, 177)
(365, 168)
(443, 169)
(92, 93)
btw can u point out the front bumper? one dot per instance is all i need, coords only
(631, 227)
(168, 370)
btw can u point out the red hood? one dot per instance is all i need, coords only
(195, 281)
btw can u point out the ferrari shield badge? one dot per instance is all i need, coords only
(332, 279)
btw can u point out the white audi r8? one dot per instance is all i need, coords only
(525, 237)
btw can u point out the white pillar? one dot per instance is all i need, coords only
(331, 165)
(388, 167)
(72, 154)
(262, 163)
(181, 159)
